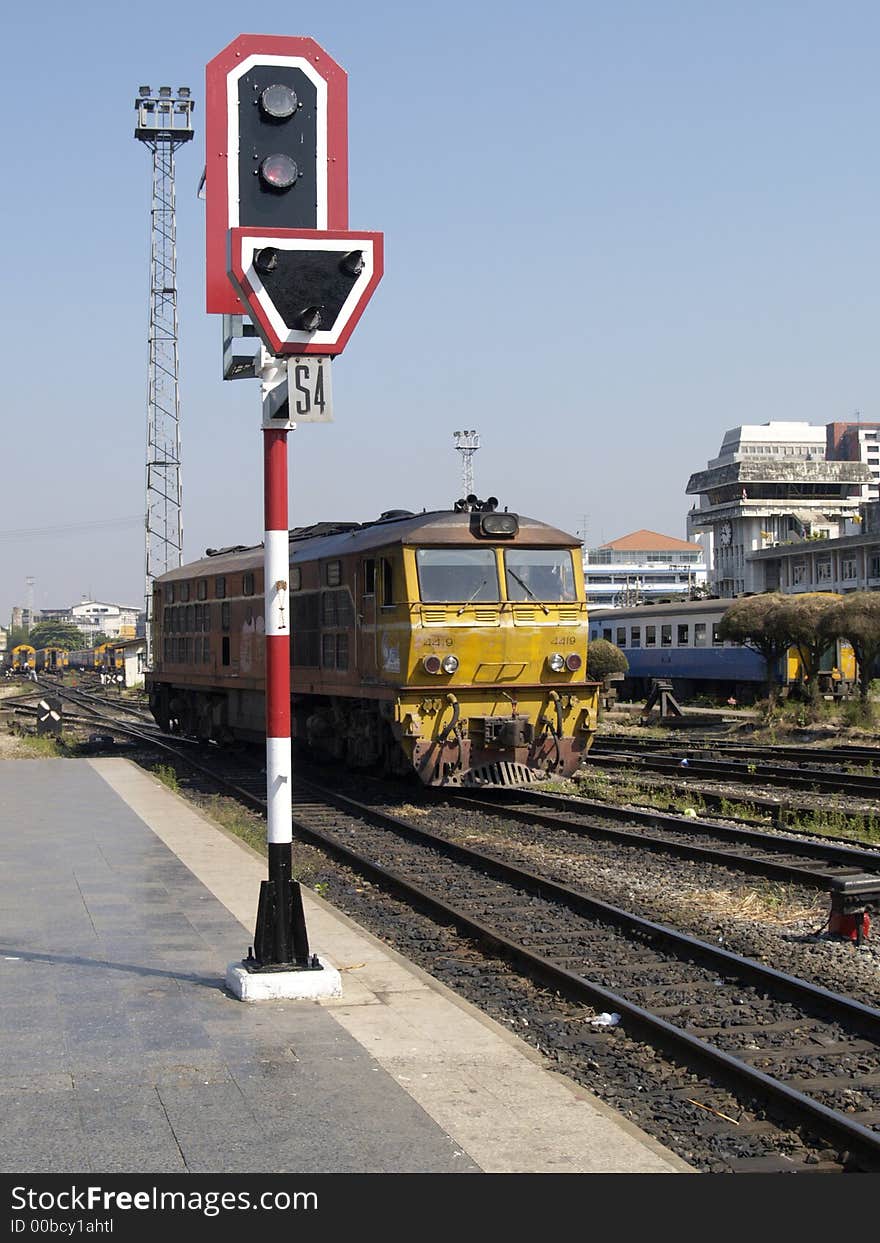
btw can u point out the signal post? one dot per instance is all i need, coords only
(291, 283)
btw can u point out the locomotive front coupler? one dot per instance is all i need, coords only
(853, 900)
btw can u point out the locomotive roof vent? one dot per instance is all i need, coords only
(391, 514)
(220, 552)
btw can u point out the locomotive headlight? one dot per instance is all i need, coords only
(573, 662)
(432, 664)
(450, 664)
(556, 661)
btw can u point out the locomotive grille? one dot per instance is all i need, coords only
(504, 773)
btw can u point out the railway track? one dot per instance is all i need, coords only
(743, 772)
(777, 856)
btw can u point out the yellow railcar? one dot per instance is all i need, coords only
(52, 659)
(23, 658)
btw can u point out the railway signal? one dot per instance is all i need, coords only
(276, 146)
(278, 248)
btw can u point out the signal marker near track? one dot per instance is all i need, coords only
(279, 251)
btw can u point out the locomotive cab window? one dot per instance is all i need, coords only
(539, 574)
(457, 575)
(370, 577)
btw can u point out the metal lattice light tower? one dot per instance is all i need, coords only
(164, 122)
(467, 444)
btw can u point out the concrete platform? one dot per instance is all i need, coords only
(122, 1051)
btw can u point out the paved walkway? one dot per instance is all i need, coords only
(120, 1049)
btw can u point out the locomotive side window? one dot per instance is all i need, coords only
(220, 587)
(296, 578)
(539, 574)
(184, 591)
(224, 616)
(333, 573)
(387, 582)
(456, 575)
(224, 658)
(370, 577)
(247, 585)
(202, 589)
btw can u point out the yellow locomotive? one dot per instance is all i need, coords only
(451, 643)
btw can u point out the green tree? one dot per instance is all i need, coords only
(800, 619)
(604, 658)
(754, 622)
(856, 618)
(57, 634)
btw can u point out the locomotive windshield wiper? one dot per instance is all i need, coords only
(472, 597)
(527, 588)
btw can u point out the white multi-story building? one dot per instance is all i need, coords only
(857, 442)
(772, 484)
(644, 565)
(116, 621)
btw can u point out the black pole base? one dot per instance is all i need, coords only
(281, 942)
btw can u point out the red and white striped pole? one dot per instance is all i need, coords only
(281, 938)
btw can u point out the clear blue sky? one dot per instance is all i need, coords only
(613, 231)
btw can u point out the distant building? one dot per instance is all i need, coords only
(116, 621)
(772, 484)
(847, 563)
(857, 442)
(643, 566)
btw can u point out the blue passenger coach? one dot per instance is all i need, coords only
(680, 641)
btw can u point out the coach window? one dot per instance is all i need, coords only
(247, 585)
(684, 634)
(717, 640)
(621, 636)
(635, 636)
(699, 634)
(219, 587)
(370, 577)
(202, 589)
(606, 634)
(296, 578)
(333, 573)
(666, 635)
(650, 636)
